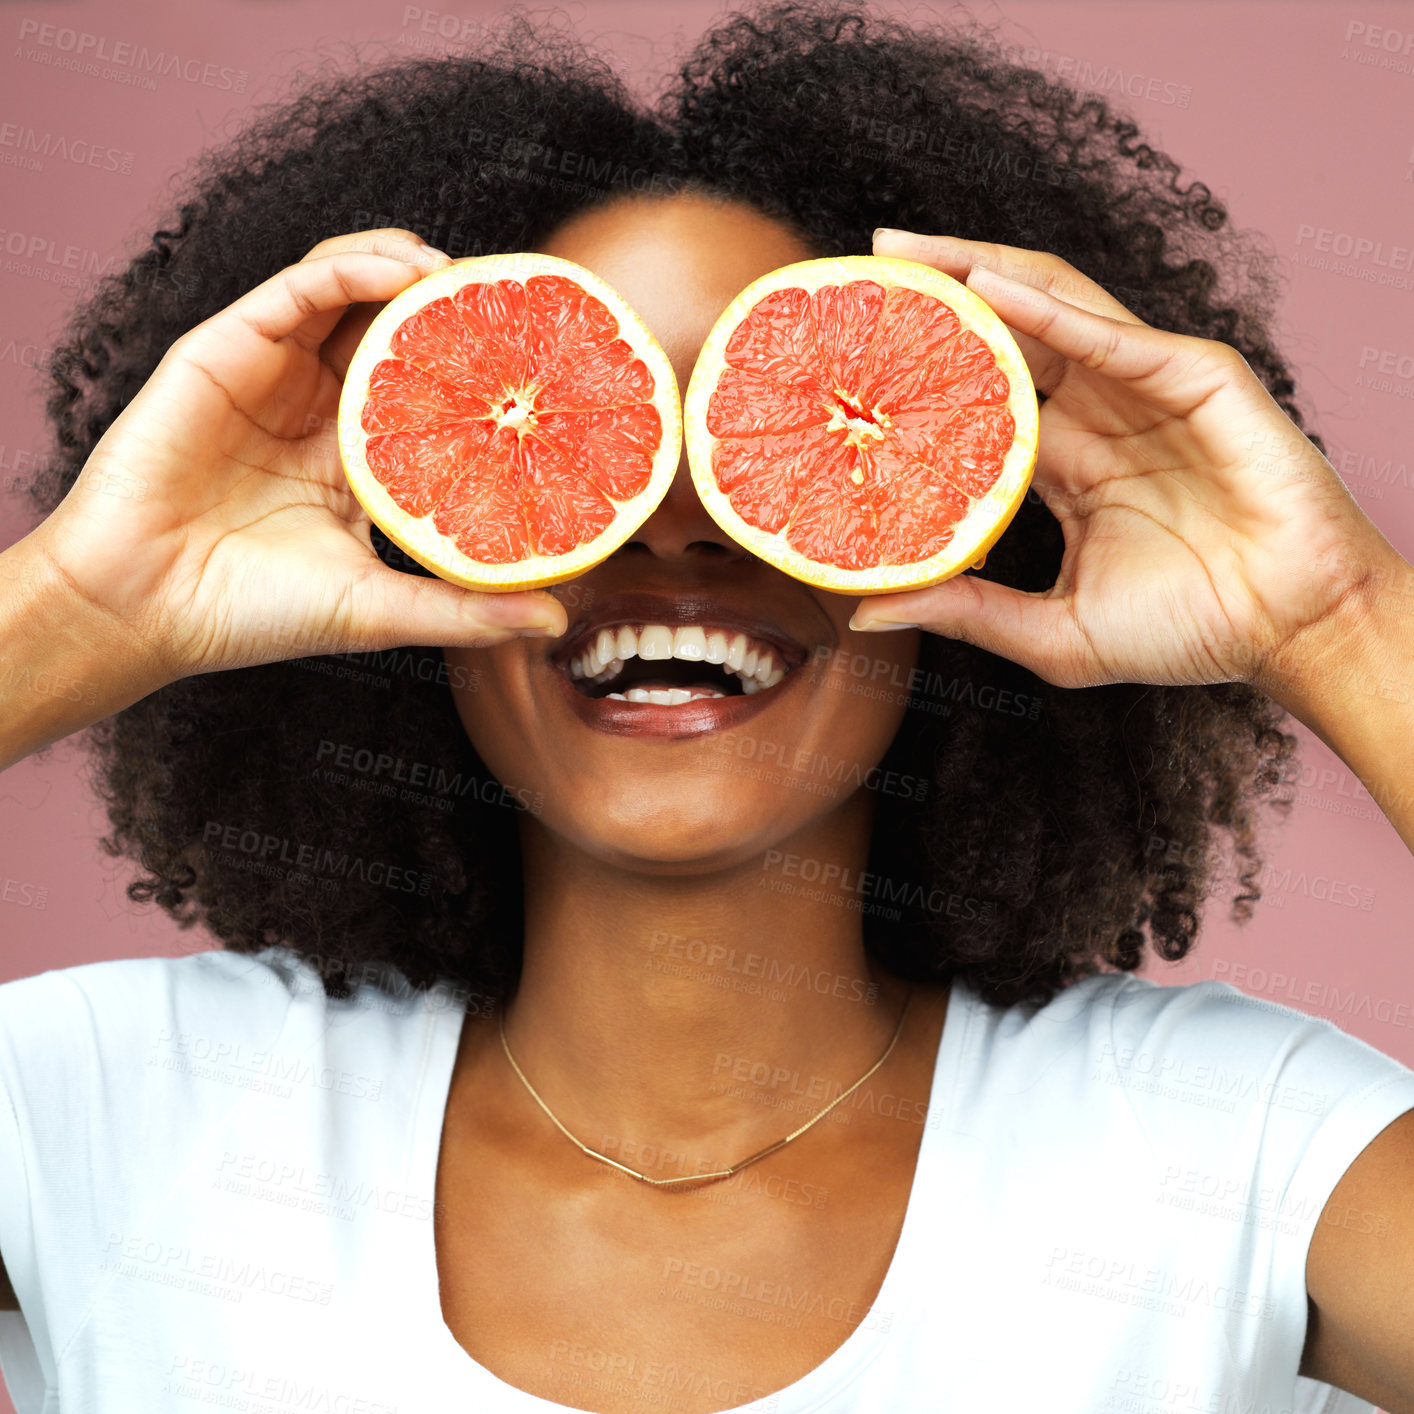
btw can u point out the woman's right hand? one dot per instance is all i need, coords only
(213, 526)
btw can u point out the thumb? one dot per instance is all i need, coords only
(390, 609)
(1036, 630)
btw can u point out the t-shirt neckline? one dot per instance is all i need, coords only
(456, 1371)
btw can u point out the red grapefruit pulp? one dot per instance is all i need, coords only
(509, 421)
(863, 423)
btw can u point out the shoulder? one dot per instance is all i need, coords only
(128, 1063)
(1182, 1060)
(1213, 1085)
(1210, 1034)
(1141, 1027)
(131, 1000)
(140, 1096)
(157, 1023)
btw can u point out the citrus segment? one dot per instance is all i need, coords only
(483, 521)
(420, 467)
(609, 377)
(509, 421)
(745, 405)
(844, 320)
(863, 423)
(405, 395)
(566, 324)
(567, 510)
(774, 341)
(614, 446)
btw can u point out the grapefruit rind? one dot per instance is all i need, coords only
(987, 517)
(419, 537)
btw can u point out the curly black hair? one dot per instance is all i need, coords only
(1051, 831)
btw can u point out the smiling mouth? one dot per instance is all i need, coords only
(668, 666)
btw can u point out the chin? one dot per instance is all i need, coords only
(677, 826)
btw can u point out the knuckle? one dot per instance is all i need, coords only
(377, 241)
(394, 233)
(300, 298)
(1212, 349)
(323, 249)
(1058, 277)
(1215, 355)
(1233, 358)
(346, 290)
(1103, 349)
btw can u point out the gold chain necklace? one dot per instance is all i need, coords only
(720, 1173)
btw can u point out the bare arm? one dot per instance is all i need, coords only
(212, 527)
(1207, 540)
(1352, 683)
(64, 664)
(1358, 1276)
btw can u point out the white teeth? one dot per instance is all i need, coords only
(664, 696)
(604, 659)
(690, 644)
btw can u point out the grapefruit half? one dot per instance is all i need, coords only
(864, 423)
(509, 421)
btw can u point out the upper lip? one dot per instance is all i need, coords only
(676, 611)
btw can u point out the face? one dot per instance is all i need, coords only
(722, 778)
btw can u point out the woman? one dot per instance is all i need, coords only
(573, 1059)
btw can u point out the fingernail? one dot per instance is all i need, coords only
(522, 613)
(433, 252)
(877, 625)
(885, 231)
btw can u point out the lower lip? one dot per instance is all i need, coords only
(698, 717)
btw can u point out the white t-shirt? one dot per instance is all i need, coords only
(216, 1192)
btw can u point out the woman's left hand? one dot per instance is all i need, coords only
(1205, 536)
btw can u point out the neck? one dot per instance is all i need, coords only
(653, 1009)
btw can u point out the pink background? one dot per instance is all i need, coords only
(1285, 110)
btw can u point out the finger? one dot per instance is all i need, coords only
(392, 241)
(393, 609)
(232, 345)
(285, 304)
(338, 349)
(339, 332)
(1038, 631)
(1045, 366)
(957, 257)
(1174, 371)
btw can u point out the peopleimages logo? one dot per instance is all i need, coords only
(1115, 82)
(121, 60)
(37, 256)
(1358, 247)
(1380, 46)
(28, 148)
